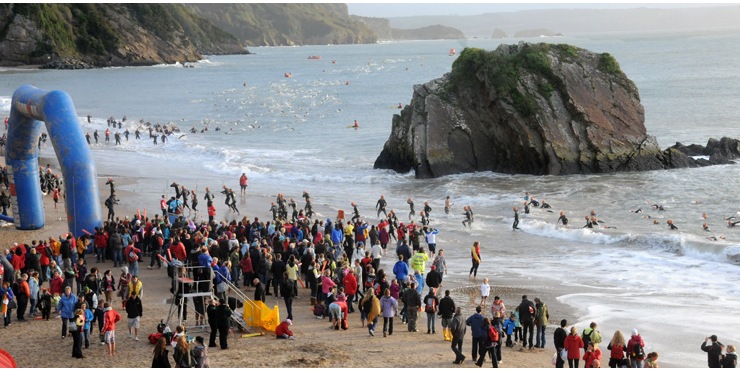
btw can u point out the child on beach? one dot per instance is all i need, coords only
(485, 290)
(44, 304)
(509, 327)
(517, 327)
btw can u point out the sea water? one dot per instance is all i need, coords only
(292, 134)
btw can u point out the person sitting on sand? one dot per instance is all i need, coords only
(283, 330)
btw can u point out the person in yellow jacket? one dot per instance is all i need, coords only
(418, 264)
(370, 309)
(135, 286)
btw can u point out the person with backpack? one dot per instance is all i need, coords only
(636, 349)
(714, 351)
(131, 254)
(490, 340)
(430, 307)
(590, 334)
(618, 347)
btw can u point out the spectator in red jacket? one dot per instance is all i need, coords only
(101, 244)
(283, 330)
(573, 344)
(110, 318)
(350, 288)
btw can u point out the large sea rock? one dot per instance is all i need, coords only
(538, 109)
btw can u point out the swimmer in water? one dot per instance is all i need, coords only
(589, 224)
(448, 205)
(705, 226)
(562, 218)
(515, 226)
(639, 210)
(670, 223)
(526, 208)
(356, 124)
(731, 223)
(545, 205)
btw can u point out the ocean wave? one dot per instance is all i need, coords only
(5, 103)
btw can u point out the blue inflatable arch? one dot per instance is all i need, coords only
(29, 106)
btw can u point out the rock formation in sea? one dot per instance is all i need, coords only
(540, 109)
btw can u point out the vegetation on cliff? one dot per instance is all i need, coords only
(108, 34)
(258, 24)
(505, 71)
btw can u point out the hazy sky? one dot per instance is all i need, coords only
(471, 8)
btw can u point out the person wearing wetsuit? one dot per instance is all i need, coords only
(137, 134)
(184, 193)
(515, 226)
(562, 218)
(96, 136)
(545, 205)
(193, 200)
(177, 189)
(112, 185)
(117, 136)
(309, 208)
(427, 209)
(87, 137)
(232, 205)
(274, 210)
(356, 212)
(293, 215)
(109, 204)
(468, 217)
(412, 211)
(380, 206)
(208, 197)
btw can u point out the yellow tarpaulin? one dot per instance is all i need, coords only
(256, 313)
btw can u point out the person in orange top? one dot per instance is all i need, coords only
(24, 295)
(110, 318)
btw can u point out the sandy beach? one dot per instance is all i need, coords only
(316, 344)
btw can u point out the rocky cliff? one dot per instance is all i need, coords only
(258, 24)
(107, 35)
(538, 109)
(435, 32)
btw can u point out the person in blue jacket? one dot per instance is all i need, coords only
(66, 308)
(401, 270)
(475, 322)
(509, 326)
(337, 234)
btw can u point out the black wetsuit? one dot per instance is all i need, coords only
(563, 219)
(380, 206)
(412, 212)
(516, 220)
